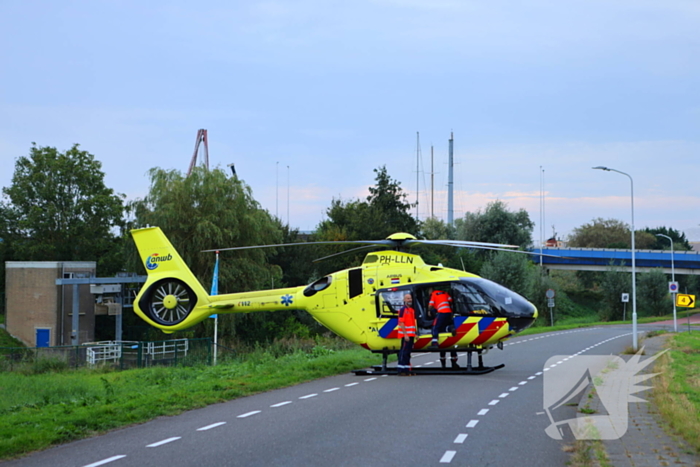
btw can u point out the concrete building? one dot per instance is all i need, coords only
(39, 312)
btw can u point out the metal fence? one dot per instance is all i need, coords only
(118, 354)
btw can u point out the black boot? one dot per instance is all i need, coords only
(455, 365)
(443, 363)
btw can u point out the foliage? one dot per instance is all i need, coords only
(209, 209)
(652, 293)
(680, 242)
(437, 229)
(511, 270)
(609, 233)
(384, 212)
(496, 225)
(59, 209)
(613, 284)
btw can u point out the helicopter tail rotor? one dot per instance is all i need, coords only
(171, 291)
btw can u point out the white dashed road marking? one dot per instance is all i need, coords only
(483, 412)
(105, 461)
(460, 438)
(209, 427)
(165, 441)
(308, 396)
(447, 457)
(245, 415)
(472, 423)
(280, 404)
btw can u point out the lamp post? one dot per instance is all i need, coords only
(634, 269)
(673, 279)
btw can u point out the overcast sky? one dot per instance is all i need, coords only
(307, 97)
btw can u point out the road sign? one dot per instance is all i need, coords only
(625, 298)
(549, 293)
(673, 287)
(550, 303)
(685, 300)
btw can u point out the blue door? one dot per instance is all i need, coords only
(43, 336)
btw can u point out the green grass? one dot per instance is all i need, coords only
(41, 410)
(677, 388)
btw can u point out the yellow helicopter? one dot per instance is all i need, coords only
(359, 304)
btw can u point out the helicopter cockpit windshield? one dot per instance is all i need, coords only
(478, 296)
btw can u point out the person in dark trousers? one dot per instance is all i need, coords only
(441, 302)
(407, 334)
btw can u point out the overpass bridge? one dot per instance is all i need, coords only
(599, 259)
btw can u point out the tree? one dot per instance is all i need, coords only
(497, 225)
(613, 284)
(384, 212)
(511, 270)
(208, 209)
(680, 242)
(652, 293)
(609, 233)
(59, 209)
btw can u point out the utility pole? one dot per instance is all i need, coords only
(432, 185)
(450, 183)
(417, 170)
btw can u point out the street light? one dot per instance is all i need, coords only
(673, 279)
(634, 269)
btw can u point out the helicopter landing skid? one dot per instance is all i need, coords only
(377, 370)
(468, 370)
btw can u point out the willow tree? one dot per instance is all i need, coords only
(206, 210)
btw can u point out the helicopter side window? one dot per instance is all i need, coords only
(317, 286)
(355, 282)
(390, 301)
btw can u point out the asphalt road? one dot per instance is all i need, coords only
(495, 419)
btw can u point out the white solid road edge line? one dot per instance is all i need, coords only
(106, 461)
(165, 441)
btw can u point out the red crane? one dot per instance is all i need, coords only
(201, 138)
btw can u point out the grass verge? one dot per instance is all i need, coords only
(676, 390)
(41, 410)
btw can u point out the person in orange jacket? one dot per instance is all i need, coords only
(407, 334)
(441, 302)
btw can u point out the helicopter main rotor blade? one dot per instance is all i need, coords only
(461, 243)
(337, 242)
(351, 250)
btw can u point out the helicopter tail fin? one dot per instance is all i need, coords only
(171, 291)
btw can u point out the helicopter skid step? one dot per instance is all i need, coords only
(377, 370)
